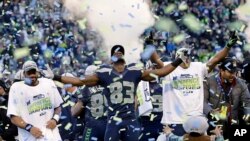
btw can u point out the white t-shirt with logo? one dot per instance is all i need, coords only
(35, 105)
(183, 93)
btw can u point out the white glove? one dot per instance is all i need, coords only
(183, 54)
(48, 73)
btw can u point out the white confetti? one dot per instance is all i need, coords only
(67, 126)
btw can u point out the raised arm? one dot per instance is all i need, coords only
(155, 58)
(91, 80)
(148, 75)
(223, 53)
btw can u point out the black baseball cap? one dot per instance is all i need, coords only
(117, 48)
(229, 64)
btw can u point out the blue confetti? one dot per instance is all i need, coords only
(131, 15)
(125, 25)
(146, 54)
(114, 58)
(113, 27)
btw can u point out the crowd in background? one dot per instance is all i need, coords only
(60, 42)
(67, 47)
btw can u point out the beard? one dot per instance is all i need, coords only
(30, 81)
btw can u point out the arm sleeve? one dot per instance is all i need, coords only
(206, 107)
(13, 102)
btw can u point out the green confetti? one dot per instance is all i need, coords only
(246, 47)
(71, 103)
(82, 23)
(237, 25)
(117, 119)
(21, 52)
(66, 98)
(192, 23)
(179, 38)
(67, 126)
(170, 8)
(152, 116)
(243, 27)
(97, 62)
(183, 6)
(166, 24)
(65, 105)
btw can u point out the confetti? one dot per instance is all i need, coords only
(166, 24)
(212, 123)
(192, 23)
(66, 98)
(110, 108)
(131, 15)
(94, 139)
(21, 52)
(239, 42)
(123, 129)
(67, 126)
(183, 6)
(97, 62)
(117, 119)
(154, 76)
(147, 53)
(179, 38)
(113, 27)
(170, 8)
(237, 25)
(246, 47)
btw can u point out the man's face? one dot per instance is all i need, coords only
(32, 75)
(186, 64)
(119, 56)
(228, 76)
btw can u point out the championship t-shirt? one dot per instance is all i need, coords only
(183, 93)
(35, 105)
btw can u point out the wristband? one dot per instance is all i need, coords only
(57, 78)
(56, 118)
(176, 62)
(28, 127)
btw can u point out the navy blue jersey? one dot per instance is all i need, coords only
(151, 127)
(121, 89)
(95, 103)
(156, 94)
(66, 117)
